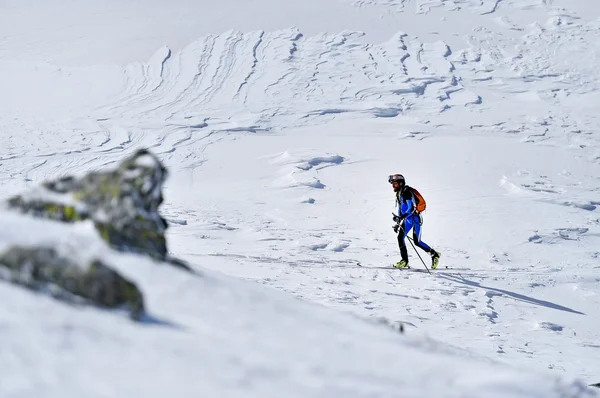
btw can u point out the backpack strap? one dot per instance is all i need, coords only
(414, 199)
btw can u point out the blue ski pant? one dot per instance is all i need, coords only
(413, 222)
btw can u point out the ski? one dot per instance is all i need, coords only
(409, 268)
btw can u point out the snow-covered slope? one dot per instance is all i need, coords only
(279, 124)
(215, 336)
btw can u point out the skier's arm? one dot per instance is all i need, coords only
(406, 207)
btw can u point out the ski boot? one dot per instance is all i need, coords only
(435, 259)
(401, 264)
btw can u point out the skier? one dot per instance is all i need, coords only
(407, 218)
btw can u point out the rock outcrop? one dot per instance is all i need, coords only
(42, 268)
(122, 204)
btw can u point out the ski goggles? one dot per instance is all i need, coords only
(395, 178)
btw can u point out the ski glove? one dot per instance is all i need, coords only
(397, 218)
(396, 227)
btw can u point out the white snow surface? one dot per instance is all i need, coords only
(279, 123)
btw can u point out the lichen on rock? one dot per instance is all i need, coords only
(123, 204)
(44, 269)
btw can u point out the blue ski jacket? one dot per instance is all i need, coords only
(406, 203)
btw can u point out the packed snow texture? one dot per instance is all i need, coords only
(279, 123)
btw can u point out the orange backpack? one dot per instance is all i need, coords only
(419, 199)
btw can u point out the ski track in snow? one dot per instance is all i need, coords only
(258, 81)
(482, 7)
(319, 262)
(237, 83)
(455, 297)
(293, 80)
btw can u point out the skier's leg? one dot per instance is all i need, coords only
(435, 256)
(417, 235)
(404, 229)
(402, 243)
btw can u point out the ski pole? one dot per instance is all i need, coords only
(413, 246)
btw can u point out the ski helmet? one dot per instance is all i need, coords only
(396, 177)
